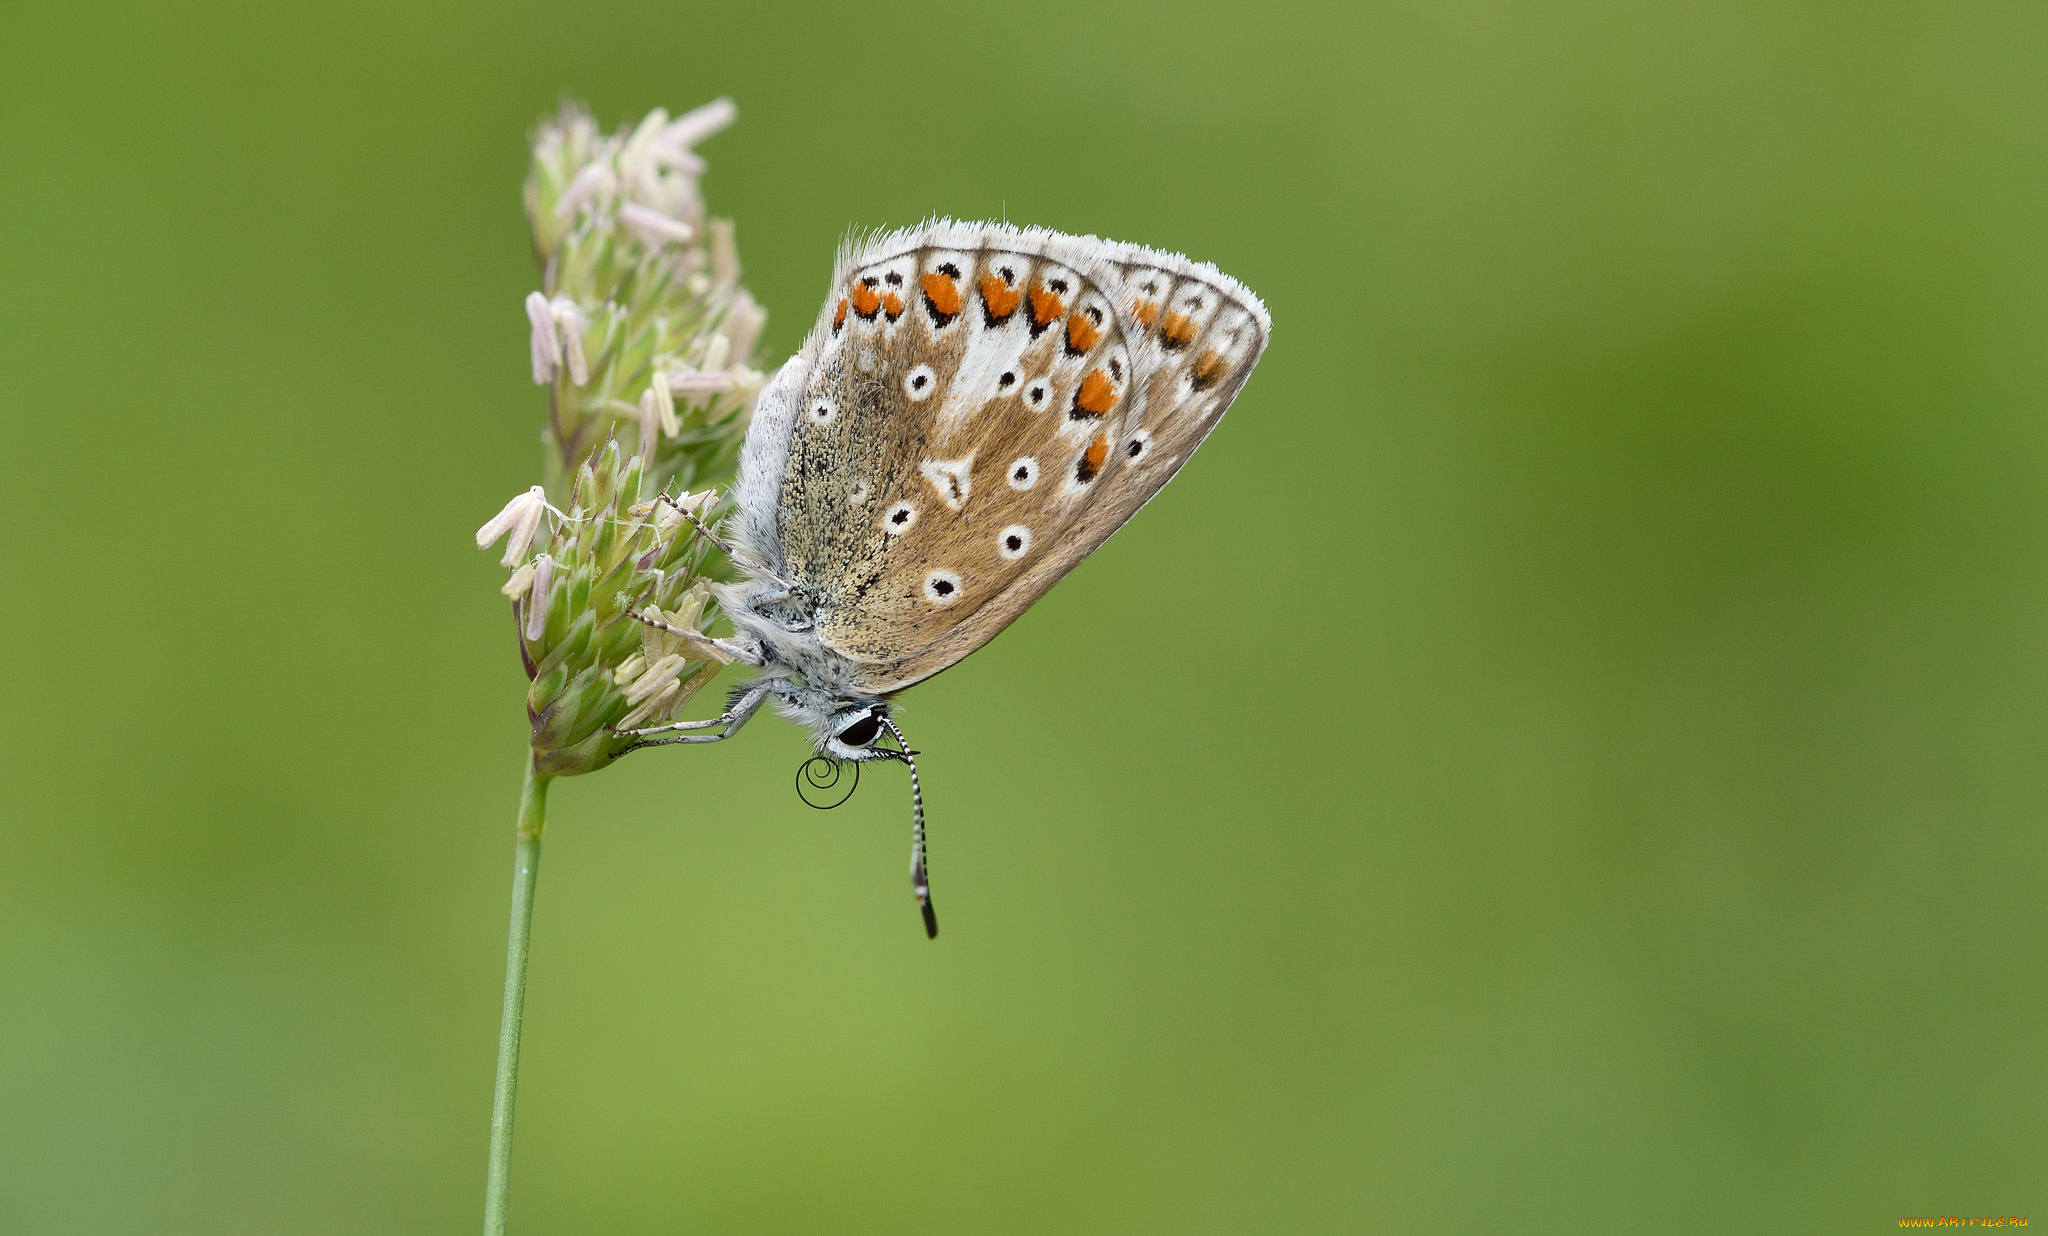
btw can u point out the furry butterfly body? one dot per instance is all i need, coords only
(978, 408)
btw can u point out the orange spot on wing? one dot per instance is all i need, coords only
(1045, 306)
(866, 301)
(1179, 330)
(1096, 396)
(1082, 334)
(1209, 369)
(1091, 463)
(839, 314)
(942, 292)
(1000, 297)
(1147, 312)
(892, 305)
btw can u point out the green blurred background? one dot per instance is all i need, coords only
(1567, 756)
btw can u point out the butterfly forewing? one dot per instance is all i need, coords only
(977, 410)
(1201, 335)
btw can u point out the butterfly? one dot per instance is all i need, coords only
(978, 408)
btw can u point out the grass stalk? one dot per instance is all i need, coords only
(533, 798)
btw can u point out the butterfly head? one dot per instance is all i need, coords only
(851, 734)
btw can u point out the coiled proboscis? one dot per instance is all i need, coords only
(821, 775)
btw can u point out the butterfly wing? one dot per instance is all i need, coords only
(1192, 335)
(978, 409)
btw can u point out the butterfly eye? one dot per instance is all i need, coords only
(1036, 394)
(861, 732)
(1140, 443)
(822, 412)
(1007, 381)
(942, 587)
(898, 520)
(1023, 473)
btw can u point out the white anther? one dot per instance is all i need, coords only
(650, 424)
(537, 597)
(523, 531)
(521, 579)
(689, 382)
(520, 518)
(546, 347)
(725, 257)
(653, 676)
(569, 321)
(666, 146)
(594, 181)
(629, 669)
(654, 704)
(716, 352)
(655, 225)
(692, 607)
(688, 162)
(665, 405)
(694, 126)
(636, 157)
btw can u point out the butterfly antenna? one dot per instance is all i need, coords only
(920, 874)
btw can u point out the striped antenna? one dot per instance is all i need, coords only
(920, 874)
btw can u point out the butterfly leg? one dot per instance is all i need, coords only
(702, 531)
(729, 649)
(705, 724)
(719, 542)
(743, 708)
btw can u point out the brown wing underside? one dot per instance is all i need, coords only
(981, 418)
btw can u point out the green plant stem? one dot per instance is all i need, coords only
(533, 801)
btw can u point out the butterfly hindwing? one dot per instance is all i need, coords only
(978, 409)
